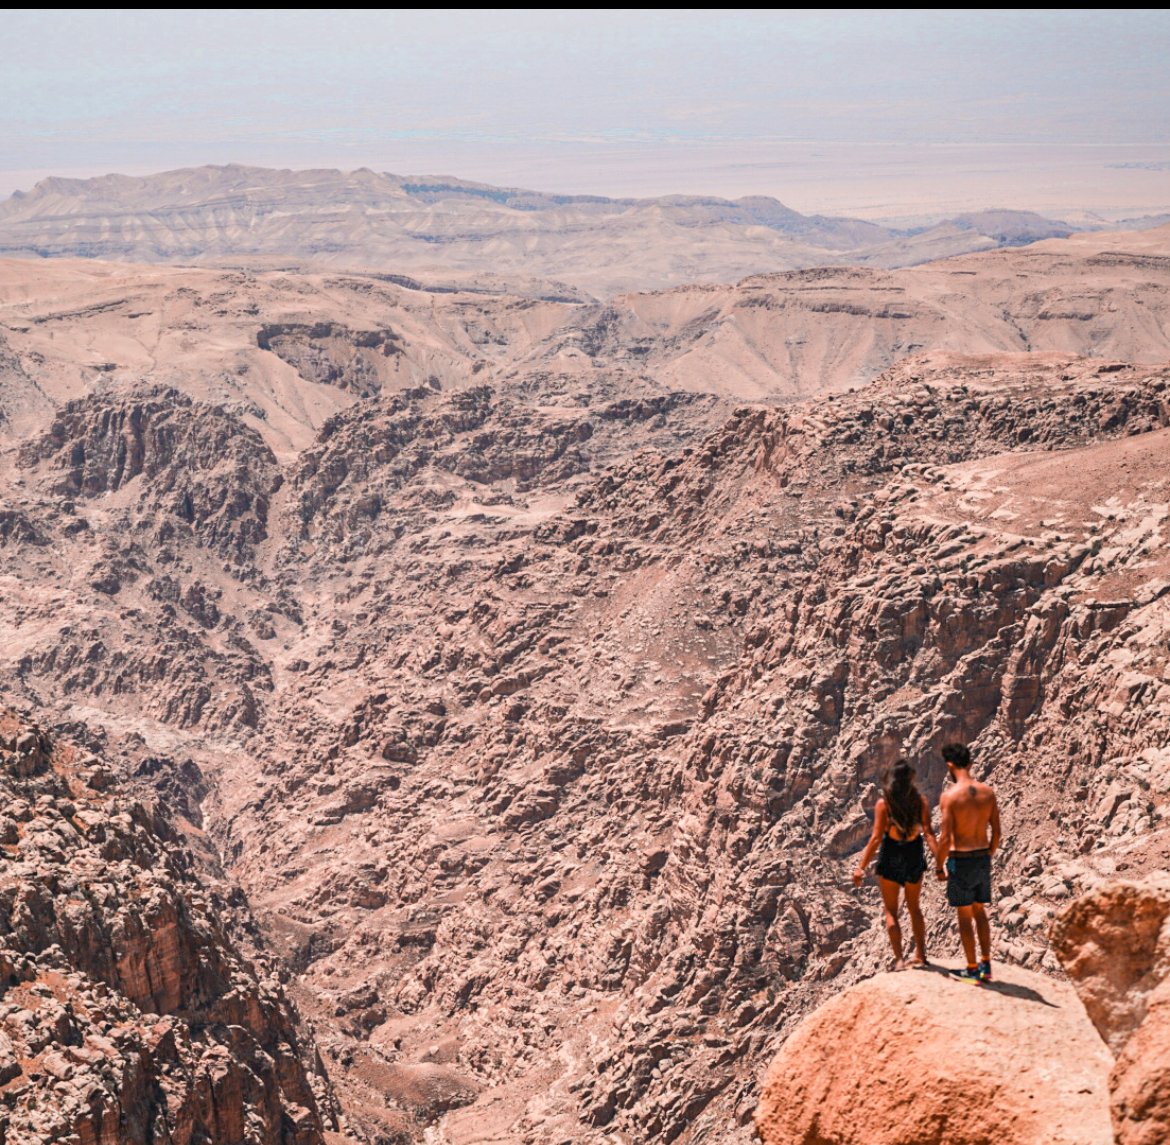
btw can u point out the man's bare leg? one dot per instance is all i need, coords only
(893, 929)
(967, 933)
(983, 929)
(917, 922)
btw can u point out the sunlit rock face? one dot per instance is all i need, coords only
(128, 1012)
(1114, 944)
(918, 1056)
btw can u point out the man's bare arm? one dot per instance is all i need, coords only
(946, 834)
(994, 820)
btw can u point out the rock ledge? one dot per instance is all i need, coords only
(919, 1059)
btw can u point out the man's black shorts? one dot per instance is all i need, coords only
(969, 879)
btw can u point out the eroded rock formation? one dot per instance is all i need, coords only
(1115, 945)
(919, 1058)
(127, 1015)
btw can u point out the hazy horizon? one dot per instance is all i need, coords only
(868, 113)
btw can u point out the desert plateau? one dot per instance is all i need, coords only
(450, 660)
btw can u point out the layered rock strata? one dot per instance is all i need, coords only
(450, 229)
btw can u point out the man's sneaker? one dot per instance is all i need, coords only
(968, 974)
(984, 971)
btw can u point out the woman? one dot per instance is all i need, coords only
(900, 822)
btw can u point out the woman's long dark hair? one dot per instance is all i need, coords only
(903, 799)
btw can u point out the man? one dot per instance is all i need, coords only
(968, 838)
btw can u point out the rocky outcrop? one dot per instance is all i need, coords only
(917, 1057)
(1015, 1061)
(377, 471)
(127, 1015)
(330, 354)
(1114, 944)
(718, 649)
(202, 470)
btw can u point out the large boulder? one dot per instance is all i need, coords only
(1115, 945)
(917, 1058)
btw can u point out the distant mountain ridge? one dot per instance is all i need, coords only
(464, 231)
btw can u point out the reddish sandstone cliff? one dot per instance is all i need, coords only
(126, 1014)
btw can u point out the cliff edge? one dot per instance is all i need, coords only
(920, 1059)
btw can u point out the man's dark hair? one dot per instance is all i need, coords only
(956, 754)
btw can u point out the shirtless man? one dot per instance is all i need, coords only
(968, 838)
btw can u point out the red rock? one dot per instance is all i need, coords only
(918, 1058)
(1114, 943)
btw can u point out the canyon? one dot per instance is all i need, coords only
(496, 686)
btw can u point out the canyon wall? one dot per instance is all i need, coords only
(537, 703)
(128, 1013)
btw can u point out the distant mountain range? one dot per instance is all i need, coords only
(448, 230)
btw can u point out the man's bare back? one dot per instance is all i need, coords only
(973, 814)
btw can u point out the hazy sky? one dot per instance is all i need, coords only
(89, 92)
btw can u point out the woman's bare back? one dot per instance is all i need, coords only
(896, 833)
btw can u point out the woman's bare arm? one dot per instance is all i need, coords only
(880, 821)
(927, 829)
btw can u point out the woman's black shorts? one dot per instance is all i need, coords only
(902, 862)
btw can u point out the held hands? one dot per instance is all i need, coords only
(940, 873)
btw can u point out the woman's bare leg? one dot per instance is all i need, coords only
(893, 929)
(917, 922)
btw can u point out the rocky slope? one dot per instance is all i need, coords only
(128, 1013)
(454, 230)
(540, 710)
(286, 352)
(829, 329)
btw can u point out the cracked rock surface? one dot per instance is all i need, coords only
(128, 1014)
